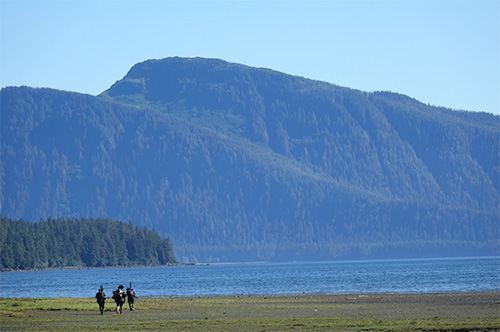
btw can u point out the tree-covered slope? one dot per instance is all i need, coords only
(57, 243)
(239, 163)
(364, 139)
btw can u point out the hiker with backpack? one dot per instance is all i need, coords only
(119, 297)
(101, 298)
(130, 297)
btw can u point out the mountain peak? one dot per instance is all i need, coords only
(164, 79)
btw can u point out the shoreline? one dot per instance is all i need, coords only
(493, 296)
(69, 268)
(359, 294)
(77, 268)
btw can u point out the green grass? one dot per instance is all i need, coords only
(382, 312)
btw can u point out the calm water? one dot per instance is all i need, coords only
(399, 276)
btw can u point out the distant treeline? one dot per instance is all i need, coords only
(57, 243)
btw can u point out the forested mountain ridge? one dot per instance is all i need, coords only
(239, 163)
(330, 128)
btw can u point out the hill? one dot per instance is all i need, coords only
(235, 163)
(58, 243)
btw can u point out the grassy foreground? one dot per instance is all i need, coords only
(338, 312)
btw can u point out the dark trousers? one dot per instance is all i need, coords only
(101, 306)
(131, 301)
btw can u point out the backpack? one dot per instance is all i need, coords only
(116, 295)
(131, 292)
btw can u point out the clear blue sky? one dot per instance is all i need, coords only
(442, 52)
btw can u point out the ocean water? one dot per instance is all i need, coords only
(393, 276)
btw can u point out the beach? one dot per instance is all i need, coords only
(307, 312)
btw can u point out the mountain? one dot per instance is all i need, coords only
(235, 163)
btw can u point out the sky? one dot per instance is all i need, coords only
(440, 52)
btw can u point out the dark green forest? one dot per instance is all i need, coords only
(235, 163)
(61, 242)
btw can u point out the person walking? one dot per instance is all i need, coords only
(119, 297)
(101, 298)
(131, 297)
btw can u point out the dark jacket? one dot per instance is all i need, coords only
(100, 296)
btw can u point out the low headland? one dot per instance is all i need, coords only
(307, 312)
